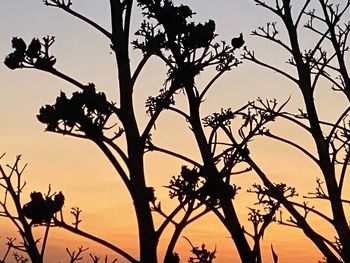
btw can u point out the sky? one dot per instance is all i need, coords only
(82, 173)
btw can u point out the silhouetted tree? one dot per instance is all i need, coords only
(202, 255)
(187, 49)
(209, 181)
(40, 210)
(326, 60)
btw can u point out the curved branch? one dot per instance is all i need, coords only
(79, 16)
(343, 171)
(328, 65)
(269, 134)
(115, 163)
(286, 116)
(96, 239)
(302, 12)
(263, 4)
(178, 229)
(117, 149)
(281, 72)
(339, 87)
(329, 220)
(65, 77)
(320, 72)
(180, 112)
(174, 154)
(336, 125)
(138, 69)
(205, 211)
(273, 39)
(169, 218)
(211, 82)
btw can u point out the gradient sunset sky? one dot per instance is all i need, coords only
(77, 167)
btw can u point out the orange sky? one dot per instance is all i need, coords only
(79, 169)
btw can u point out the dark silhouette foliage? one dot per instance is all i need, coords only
(42, 210)
(85, 112)
(205, 184)
(36, 55)
(187, 49)
(201, 254)
(238, 42)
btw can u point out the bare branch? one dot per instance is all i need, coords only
(96, 239)
(76, 255)
(151, 147)
(249, 55)
(117, 149)
(66, 7)
(295, 145)
(209, 85)
(277, 10)
(270, 33)
(115, 163)
(139, 68)
(302, 11)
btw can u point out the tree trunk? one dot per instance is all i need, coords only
(120, 43)
(31, 245)
(326, 166)
(232, 223)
